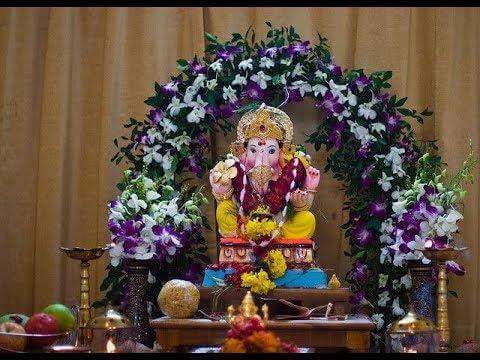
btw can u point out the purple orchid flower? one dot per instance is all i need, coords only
(114, 227)
(437, 243)
(392, 122)
(299, 48)
(228, 53)
(335, 136)
(357, 300)
(194, 164)
(254, 92)
(171, 88)
(361, 82)
(271, 52)
(455, 268)
(224, 111)
(378, 209)
(196, 67)
(361, 235)
(365, 179)
(423, 208)
(364, 150)
(156, 115)
(330, 105)
(202, 141)
(335, 69)
(360, 272)
(294, 95)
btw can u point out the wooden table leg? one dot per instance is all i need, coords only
(358, 341)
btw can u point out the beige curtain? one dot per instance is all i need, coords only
(70, 77)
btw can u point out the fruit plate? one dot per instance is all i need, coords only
(14, 342)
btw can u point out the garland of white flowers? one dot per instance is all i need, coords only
(371, 146)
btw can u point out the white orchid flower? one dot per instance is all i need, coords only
(211, 84)
(319, 89)
(196, 115)
(383, 298)
(385, 255)
(239, 80)
(230, 94)
(303, 86)
(152, 195)
(217, 65)
(199, 81)
(378, 320)
(298, 70)
(382, 280)
(152, 153)
(321, 75)
(116, 253)
(406, 281)
(246, 64)
(398, 207)
(175, 106)
(377, 127)
(287, 61)
(366, 111)
(136, 203)
(384, 182)
(153, 135)
(266, 62)
(261, 79)
(190, 93)
(168, 125)
(396, 309)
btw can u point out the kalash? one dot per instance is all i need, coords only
(264, 190)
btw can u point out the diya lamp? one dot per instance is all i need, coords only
(107, 330)
(412, 334)
(84, 255)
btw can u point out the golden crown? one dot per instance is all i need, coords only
(265, 122)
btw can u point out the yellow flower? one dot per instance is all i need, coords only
(264, 342)
(276, 263)
(232, 345)
(304, 158)
(256, 228)
(224, 171)
(258, 282)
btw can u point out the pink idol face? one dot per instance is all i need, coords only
(262, 152)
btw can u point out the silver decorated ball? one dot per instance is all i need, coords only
(179, 299)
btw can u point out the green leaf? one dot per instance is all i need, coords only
(269, 24)
(211, 38)
(182, 64)
(400, 102)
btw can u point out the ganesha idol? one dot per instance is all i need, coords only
(264, 190)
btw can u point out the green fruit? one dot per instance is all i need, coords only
(63, 315)
(16, 318)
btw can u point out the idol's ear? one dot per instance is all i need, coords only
(281, 157)
(243, 156)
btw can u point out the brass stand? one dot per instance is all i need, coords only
(440, 257)
(84, 334)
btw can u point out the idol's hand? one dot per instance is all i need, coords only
(219, 186)
(312, 179)
(300, 198)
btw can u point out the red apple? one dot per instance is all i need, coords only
(8, 340)
(41, 324)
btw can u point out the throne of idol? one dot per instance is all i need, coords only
(264, 190)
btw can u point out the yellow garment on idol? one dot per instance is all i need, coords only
(300, 226)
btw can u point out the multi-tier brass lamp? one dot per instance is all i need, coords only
(84, 334)
(440, 257)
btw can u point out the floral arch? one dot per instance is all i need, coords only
(371, 150)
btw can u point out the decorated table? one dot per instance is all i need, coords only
(352, 334)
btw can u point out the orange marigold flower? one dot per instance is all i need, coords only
(263, 341)
(234, 346)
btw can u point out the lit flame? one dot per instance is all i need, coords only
(110, 346)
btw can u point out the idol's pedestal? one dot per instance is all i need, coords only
(351, 334)
(342, 333)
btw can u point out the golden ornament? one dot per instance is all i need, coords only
(334, 283)
(179, 299)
